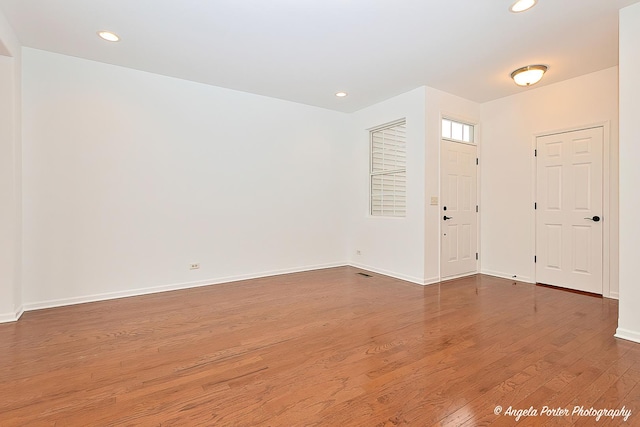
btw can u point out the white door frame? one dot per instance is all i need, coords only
(476, 142)
(606, 200)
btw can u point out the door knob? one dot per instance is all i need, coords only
(595, 218)
(447, 217)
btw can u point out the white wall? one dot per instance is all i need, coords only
(10, 174)
(407, 248)
(629, 316)
(508, 128)
(393, 246)
(131, 176)
(440, 104)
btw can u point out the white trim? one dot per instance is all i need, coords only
(455, 141)
(458, 276)
(606, 199)
(606, 210)
(571, 129)
(11, 317)
(534, 199)
(478, 139)
(507, 276)
(628, 335)
(393, 274)
(387, 125)
(173, 287)
(431, 281)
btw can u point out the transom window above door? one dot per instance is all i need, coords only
(457, 131)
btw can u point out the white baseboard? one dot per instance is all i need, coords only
(431, 281)
(507, 276)
(628, 335)
(166, 288)
(458, 276)
(39, 305)
(393, 274)
(11, 317)
(614, 295)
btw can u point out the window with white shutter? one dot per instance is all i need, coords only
(388, 171)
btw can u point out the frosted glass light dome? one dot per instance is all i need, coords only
(529, 75)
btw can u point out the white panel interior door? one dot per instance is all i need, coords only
(569, 210)
(459, 192)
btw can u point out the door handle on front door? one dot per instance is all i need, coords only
(595, 218)
(447, 217)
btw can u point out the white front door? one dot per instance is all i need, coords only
(458, 213)
(569, 210)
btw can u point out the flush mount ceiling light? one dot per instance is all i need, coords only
(341, 94)
(108, 36)
(529, 75)
(522, 5)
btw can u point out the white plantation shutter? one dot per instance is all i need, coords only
(389, 170)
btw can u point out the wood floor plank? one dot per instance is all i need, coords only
(320, 348)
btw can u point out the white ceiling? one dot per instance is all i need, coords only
(306, 50)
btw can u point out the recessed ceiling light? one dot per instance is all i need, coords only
(108, 36)
(529, 75)
(341, 94)
(522, 5)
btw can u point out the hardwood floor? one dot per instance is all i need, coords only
(322, 348)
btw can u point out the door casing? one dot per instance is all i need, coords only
(610, 214)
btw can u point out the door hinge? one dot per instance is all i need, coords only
(535, 153)
(535, 259)
(476, 256)
(477, 161)
(535, 205)
(476, 208)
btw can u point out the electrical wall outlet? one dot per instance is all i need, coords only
(194, 266)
